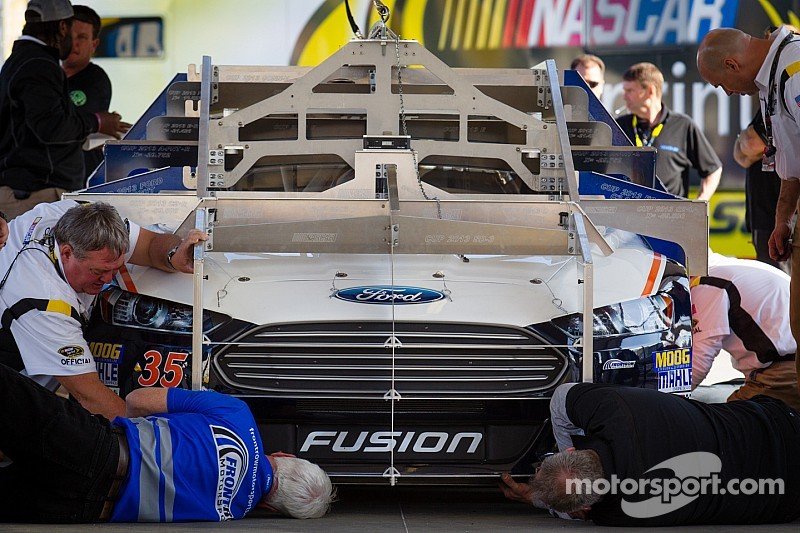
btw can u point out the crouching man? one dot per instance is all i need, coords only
(179, 456)
(638, 457)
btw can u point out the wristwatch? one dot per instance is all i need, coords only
(170, 254)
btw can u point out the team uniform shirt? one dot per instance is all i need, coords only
(681, 146)
(90, 92)
(742, 306)
(43, 313)
(185, 467)
(786, 120)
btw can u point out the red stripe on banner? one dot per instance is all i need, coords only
(524, 27)
(511, 23)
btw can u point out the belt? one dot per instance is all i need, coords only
(119, 475)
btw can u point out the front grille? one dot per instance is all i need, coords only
(348, 360)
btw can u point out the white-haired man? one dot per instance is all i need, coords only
(179, 456)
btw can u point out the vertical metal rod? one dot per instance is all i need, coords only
(561, 128)
(587, 273)
(197, 304)
(202, 134)
(588, 322)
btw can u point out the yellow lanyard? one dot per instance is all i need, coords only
(653, 134)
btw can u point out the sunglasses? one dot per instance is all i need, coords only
(592, 84)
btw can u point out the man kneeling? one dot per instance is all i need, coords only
(179, 456)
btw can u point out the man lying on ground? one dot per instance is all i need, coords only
(180, 456)
(638, 457)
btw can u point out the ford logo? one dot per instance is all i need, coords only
(386, 295)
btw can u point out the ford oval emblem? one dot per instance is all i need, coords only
(386, 294)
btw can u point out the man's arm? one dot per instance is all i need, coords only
(748, 148)
(93, 395)
(779, 249)
(709, 184)
(146, 401)
(704, 351)
(153, 250)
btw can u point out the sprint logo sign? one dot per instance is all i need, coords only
(233, 459)
(674, 369)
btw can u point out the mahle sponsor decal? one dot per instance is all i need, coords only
(387, 295)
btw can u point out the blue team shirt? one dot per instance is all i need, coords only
(203, 460)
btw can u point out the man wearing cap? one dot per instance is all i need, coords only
(41, 132)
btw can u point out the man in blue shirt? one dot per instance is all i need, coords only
(179, 456)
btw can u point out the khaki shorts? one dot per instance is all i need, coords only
(14, 208)
(778, 380)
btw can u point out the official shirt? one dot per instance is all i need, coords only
(785, 129)
(742, 306)
(42, 310)
(681, 146)
(202, 460)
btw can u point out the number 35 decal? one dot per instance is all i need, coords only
(168, 375)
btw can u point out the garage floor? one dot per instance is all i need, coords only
(399, 509)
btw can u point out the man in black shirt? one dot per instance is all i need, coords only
(41, 132)
(762, 188)
(680, 143)
(675, 461)
(89, 86)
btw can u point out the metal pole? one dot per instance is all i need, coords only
(197, 305)
(587, 272)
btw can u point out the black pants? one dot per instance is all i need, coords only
(64, 458)
(761, 245)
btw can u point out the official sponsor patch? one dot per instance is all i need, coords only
(674, 369)
(618, 364)
(797, 100)
(71, 352)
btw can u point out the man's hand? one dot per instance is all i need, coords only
(779, 246)
(518, 492)
(3, 232)
(112, 124)
(183, 259)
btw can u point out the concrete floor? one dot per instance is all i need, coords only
(398, 509)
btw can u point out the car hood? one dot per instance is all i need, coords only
(513, 290)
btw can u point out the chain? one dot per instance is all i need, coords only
(405, 128)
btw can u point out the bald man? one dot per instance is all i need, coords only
(743, 64)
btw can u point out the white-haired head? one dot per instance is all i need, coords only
(303, 489)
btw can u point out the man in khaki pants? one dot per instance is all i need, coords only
(742, 307)
(770, 69)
